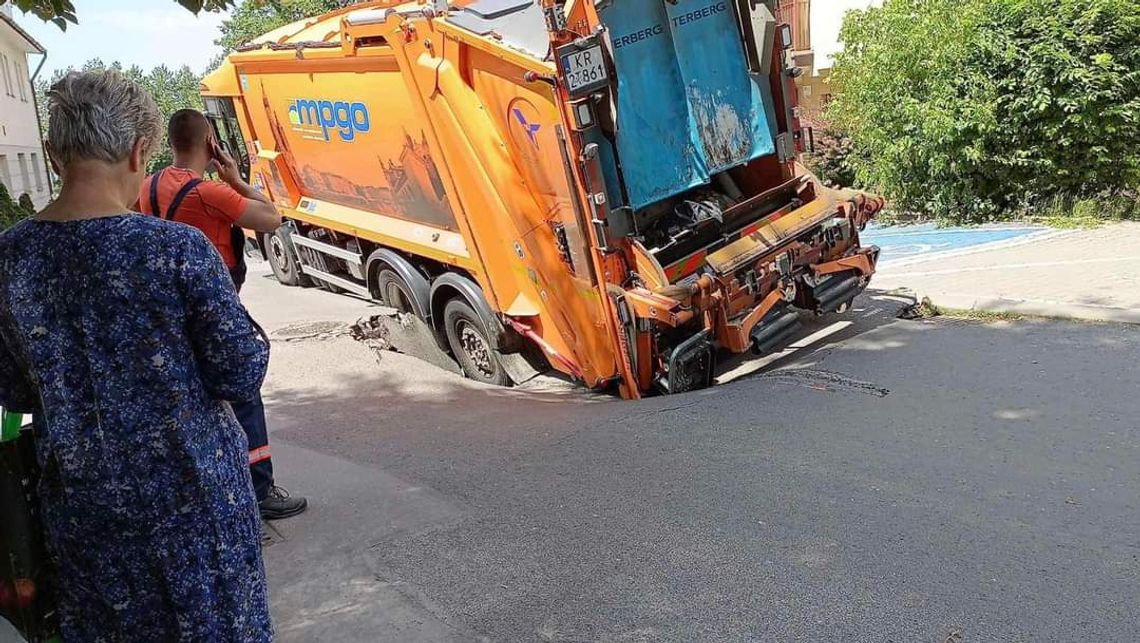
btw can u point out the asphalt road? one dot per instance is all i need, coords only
(938, 481)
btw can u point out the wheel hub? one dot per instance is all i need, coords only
(277, 250)
(476, 348)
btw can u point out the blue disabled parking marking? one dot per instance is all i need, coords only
(915, 241)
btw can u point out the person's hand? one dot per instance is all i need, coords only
(228, 169)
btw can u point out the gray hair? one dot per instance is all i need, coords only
(99, 115)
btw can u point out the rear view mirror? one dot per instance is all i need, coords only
(786, 36)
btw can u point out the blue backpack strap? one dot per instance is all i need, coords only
(154, 192)
(177, 202)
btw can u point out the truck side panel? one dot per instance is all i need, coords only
(528, 120)
(524, 274)
(354, 140)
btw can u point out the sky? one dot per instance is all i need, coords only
(826, 18)
(134, 32)
(150, 32)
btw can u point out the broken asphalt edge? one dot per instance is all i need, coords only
(1029, 307)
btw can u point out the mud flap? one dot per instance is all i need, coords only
(691, 365)
(520, 369)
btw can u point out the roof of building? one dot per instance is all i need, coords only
(33, 46)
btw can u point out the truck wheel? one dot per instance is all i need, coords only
(468, 339)
(395, 293)
(282, 261)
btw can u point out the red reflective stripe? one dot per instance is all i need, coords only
(260, 454)
(685, 266)
(755, 227)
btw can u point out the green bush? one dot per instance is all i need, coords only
(973, 110)
(11, 211)
(831, 160)
(26, 204)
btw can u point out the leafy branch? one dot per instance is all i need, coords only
(62, 12)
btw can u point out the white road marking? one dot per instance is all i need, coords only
(1014, 266)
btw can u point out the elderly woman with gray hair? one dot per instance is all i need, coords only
(124, 336)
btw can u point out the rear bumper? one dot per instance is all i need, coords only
(823, 288)
(749, 294)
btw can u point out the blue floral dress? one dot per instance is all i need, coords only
(124, 335)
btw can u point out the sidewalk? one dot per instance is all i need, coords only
(1080, 274)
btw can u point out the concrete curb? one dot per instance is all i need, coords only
(1031, 307)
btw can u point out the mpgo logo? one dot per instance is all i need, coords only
(346, 118)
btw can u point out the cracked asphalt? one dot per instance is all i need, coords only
(902, 481)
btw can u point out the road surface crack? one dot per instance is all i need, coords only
(826, 381)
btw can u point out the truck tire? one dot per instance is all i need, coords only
(472, 349)
(395, 293)
(282, 260)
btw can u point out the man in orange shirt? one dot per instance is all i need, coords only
(220, 210)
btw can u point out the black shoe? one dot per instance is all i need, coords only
(278, 505)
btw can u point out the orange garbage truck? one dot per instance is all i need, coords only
(610, 184)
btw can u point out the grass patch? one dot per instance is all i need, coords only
(1068, 212)
(927, 309)
(974, 314)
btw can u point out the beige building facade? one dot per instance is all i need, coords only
(815, 40)
(23, 168)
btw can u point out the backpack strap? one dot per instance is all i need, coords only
(154, 192)
(177, 202)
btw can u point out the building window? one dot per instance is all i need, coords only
(6, 174)
(36, 171)
(7, 79)
(22, 159)
(22, 81)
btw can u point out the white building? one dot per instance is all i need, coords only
(22, 163)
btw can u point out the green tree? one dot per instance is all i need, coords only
(25, 203)
(253, 19)
(62, 12)
(10, 210)
(971, 109)
(172, 90)
(831, 160)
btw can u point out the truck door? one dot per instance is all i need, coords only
(222, 114)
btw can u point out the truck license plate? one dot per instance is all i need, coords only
(585, 69)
